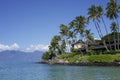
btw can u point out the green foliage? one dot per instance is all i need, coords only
(84, 59)
(45, 56)
(65, 55)
(101, 58)
(74, 59)
(117, 57)
(91, 52)
(111, 37)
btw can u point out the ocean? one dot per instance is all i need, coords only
(30, 70)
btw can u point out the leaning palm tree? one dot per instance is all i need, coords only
(71, 38)
(64, 33)
(94, 15)
(100, 14)
(54, 45)
(72, 31)
(89, 38)
(112, 13)
(80, 24)
(79, 27)
(114, 28)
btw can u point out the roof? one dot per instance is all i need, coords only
(79, 41)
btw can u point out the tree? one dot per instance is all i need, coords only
(100, 14)
(79, 25)
(89, 38)
(63, 46)
(94, 15)
(46, 56)
(71, 39)
(54, 45)
(112, 13)
(113, 28)
(64, 33)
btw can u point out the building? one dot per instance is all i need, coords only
(78, 45)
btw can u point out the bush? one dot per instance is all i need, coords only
(74, 59)
(101, 58)
(84, 59)
(111, 52)
(117, 57)
(46, 56)
(65, 55)
(91, 52)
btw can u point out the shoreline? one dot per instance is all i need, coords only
(82, 63)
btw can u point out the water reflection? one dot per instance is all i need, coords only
(31, 71)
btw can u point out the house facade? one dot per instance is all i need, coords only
(79, 44)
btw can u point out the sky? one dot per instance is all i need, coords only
(30, 24)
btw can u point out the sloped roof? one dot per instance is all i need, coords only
(79, 41)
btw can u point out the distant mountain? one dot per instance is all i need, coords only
(20, 56)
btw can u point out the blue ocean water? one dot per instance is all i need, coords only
(30, 70)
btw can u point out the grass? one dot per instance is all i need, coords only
(103, 58)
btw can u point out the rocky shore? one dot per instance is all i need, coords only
(60, 62)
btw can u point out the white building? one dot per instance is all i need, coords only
(79, 44)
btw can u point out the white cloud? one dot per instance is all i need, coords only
(38, 47)
(31, 48)
(14, 46)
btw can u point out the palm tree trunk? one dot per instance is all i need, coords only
(99, 30)
(118, 41)
(114, 42)
(106, 32)
(100, 35)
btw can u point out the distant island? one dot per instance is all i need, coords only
(76, 45)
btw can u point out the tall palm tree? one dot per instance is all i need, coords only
(54, 45)
(72, 31)
(63, 46)
(114, 28)
(89, 38)
(64, 32)
(71, 38)
(80, 24)
(100, 14)
(94, 15)
(112, 13)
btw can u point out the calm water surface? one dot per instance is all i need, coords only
(32, 71)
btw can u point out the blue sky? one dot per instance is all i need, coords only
(34, 22)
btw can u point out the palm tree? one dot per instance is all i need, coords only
(63, 46)
(113, 28)
(100, 14)
(89, 38)
(72, 32)
(112, 13)
(94, 15)
(71, 38)
(64, 33)
(54, 45)
(79, 25)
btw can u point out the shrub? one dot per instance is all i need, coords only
(101, 58)
(74, 59)
(117, 57)
(91, 52)
(84, 59)
(65, 55)
(46, 56)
